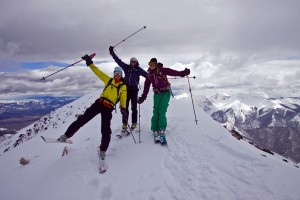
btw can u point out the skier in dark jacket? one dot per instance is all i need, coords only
(157, 76)
(132, 76)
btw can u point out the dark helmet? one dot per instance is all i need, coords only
(160, 65)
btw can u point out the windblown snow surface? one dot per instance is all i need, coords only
(201, 161)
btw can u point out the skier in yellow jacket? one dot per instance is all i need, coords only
(114, 90)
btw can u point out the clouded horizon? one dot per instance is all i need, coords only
(254, 42)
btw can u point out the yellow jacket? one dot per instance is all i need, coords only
(111, 92)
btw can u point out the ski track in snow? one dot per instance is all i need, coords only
(164, 174)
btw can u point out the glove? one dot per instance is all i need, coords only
(111, 50)
(87, 60)
(185, 72)
(141, 100)
(123, 111)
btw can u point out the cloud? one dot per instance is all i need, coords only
(43, 30)
(74, 81)
(217, 73)
(80, 80)
(222, 38)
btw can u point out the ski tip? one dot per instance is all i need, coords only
(69, 141)
(118, 136)
(54, 140)
(43, 138)
(102, 171)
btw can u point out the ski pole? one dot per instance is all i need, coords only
(192, 99)
(131, 133)
(139, 119)
(126, 118)
(144, 27)
(44, 78)
(194, 77)
(139, 123)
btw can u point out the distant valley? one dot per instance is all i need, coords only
(17, 114)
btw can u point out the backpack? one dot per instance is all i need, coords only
(118, 89)
(162, 76)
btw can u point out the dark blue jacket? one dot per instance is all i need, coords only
(132, 74)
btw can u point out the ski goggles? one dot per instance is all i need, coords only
(118, 73)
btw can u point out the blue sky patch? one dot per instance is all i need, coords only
(40, 65)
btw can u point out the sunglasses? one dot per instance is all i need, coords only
(152, 63)
(118, 73)
(133, 61)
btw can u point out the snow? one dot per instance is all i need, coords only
(201, 161)
(183, 95)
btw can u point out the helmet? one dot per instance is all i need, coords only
(118, 69)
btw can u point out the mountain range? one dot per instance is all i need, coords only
(268, 118)
(19, 113)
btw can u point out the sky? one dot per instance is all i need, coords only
(201, 161)
(227, 43)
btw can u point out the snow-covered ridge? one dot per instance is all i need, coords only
(201, 161)
(53, 120)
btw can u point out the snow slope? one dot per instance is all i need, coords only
(201, 161)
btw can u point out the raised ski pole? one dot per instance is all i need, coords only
(144, 27)
(44, 78)
(192, 98)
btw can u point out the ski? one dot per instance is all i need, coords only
(134, 130)
(156, 138)
(54, 140)
(102, 166)
(123, 133)
(163, 140)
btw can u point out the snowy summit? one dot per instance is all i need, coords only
(201, 161)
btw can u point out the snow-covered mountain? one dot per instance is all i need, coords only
(269, 118)
(201, 161)
(19, 113)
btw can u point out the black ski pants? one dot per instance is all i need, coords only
(90, 113)
(132, 95)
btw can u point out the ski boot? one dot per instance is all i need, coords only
(133, 126)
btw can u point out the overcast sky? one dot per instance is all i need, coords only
(226, 43)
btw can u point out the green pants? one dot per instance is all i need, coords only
(161, 103)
